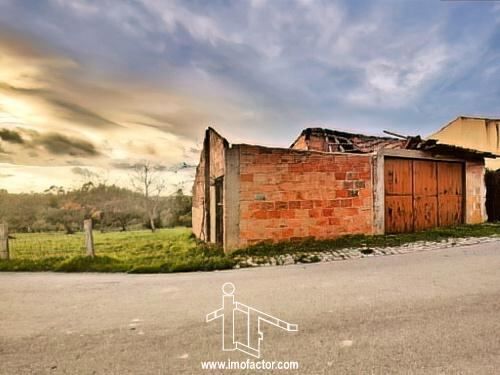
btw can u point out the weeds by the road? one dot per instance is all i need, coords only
(175, 250)
(362, 241)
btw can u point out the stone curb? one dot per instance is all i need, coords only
(357, 253)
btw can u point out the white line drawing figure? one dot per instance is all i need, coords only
(254, 335)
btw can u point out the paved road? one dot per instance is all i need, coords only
(424, 313)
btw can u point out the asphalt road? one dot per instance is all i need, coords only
(432, 312)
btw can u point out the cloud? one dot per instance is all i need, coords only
(142, 79)
(86, 173)
(74, 112)
(11, 136)
(59, 144)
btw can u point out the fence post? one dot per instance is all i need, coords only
(4, 242)
(89, 238)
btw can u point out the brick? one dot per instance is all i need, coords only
(346, 203)
(333, 221)
(341, 193)
(319, 203)
(287, 214)
(315, 212)
(267, 205)
(259, 214)
(274, 214)
(247, 177)
(281, 205)
(327, 212)
(306, 204)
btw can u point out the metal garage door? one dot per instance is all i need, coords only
(422, 194)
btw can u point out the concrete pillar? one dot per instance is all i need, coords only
(232, 199)
(378, 194)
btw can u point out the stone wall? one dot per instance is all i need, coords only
(287, 194)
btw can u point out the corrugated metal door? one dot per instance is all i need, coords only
(422, 194)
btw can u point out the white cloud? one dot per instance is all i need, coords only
(398, 81)
(199, 26)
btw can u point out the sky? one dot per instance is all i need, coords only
(91, 88)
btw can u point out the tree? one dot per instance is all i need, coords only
(177, 210)
(148, 181)
(70, 216)
(120, 212)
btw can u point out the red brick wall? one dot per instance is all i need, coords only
(287, 194)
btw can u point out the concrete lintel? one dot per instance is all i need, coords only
(415, 154)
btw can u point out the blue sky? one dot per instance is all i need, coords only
(141, 79)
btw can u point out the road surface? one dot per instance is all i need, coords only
(431, 312)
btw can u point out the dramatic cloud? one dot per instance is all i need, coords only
(10, 136)
(58, 144)
(104, 85)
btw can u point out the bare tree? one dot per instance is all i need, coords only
(148, 181)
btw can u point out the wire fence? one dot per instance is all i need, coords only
(38, 245)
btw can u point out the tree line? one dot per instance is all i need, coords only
(111, 208)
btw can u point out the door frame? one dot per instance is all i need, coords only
(219, 210)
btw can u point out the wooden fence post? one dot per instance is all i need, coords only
(4, 242)
(89, 238)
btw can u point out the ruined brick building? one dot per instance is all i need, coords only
(330, 183)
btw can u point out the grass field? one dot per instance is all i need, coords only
(166, 250)
(175, 250)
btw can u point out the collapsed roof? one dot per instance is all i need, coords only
(350, 142)
(340, 141)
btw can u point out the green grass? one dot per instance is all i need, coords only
(362, 241)
(166, 250)
(175, 250)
